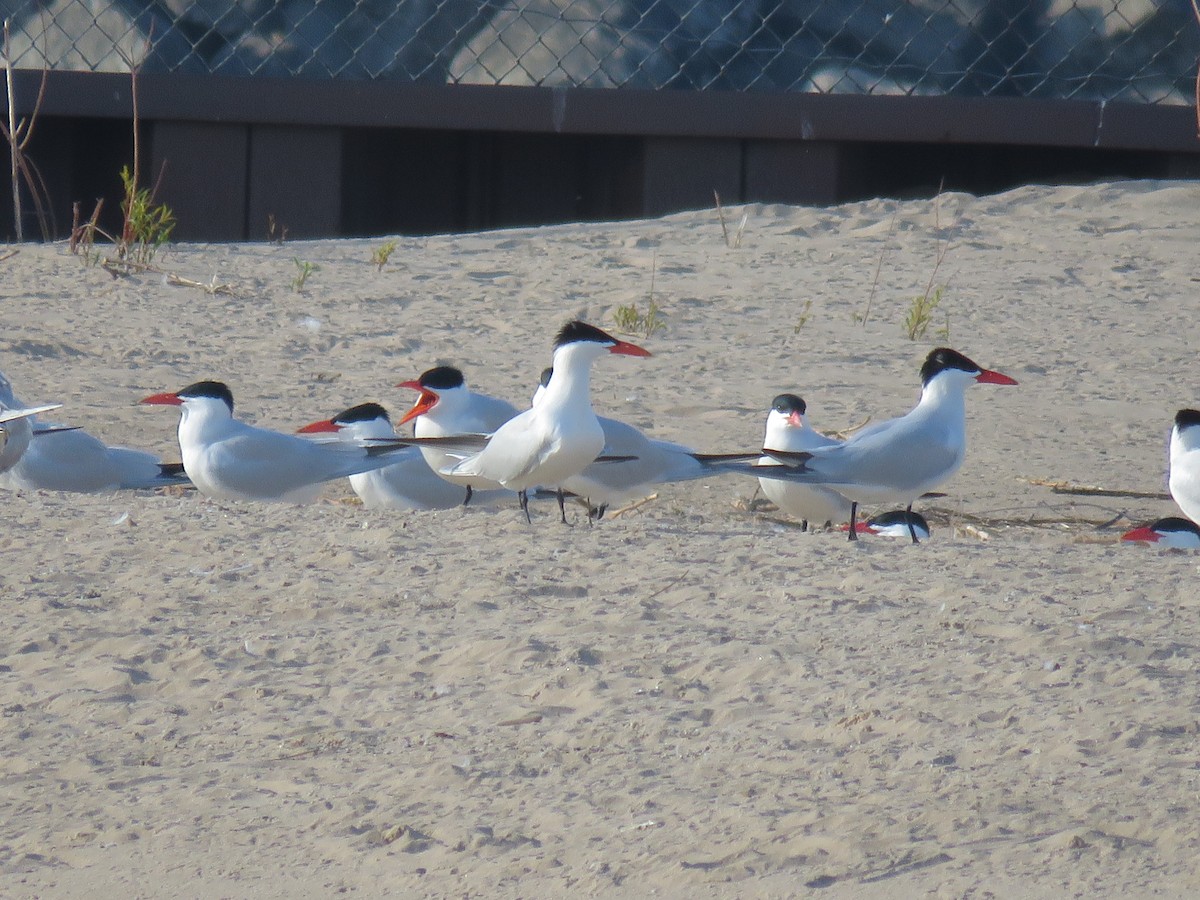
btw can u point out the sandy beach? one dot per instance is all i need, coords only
(693, 698)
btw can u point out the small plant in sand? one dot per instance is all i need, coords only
(631, 321)
(923, 306)
(304, 269)
(381, 254)
(148, 225)
(802, 319)
(920, 312)
(735, 241)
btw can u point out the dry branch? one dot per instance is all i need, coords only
(1088, 490)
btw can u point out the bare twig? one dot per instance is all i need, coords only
(18, 135)
(943, 245)
(849, 430)
(736, 241)
(1088, 490)
(721, 212)
(209, 287)
(887, 243)
(630, 507)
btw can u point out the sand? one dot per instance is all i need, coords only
(220, 699)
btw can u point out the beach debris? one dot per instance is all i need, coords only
(1088, 490)
(736, 241)
(643, 826)
(977, 533)
(632, 507)
(212, 286)
(390, 835)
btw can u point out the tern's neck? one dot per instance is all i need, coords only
(572, 381)
(1184, 440)
(451, 402)
(780, 433)
(198, 420)
(372, 429)
(944, 398)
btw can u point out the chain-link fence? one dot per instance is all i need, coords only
(1136, 50)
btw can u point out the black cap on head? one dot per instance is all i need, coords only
(788, 404)
(1186, 418)
(364, 412)
(576, 331)
(215, 390)
(899, 517)
(944, 358)
(1174, 523)
(441, 378)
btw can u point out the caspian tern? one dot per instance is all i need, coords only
(896, 523)
(1172, 532)
(1184, 481)
(65, 458)
(407, 483)
(73, 460)
(446, 406)
(900, 459)
(231, 460)
(16, 432)
(640, 463)
(560, 436)
(788, 430)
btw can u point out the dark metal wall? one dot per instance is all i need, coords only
(326, 159)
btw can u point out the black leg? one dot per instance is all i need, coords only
(524, 498)
(470, 493)
(853, 520)
(562, 506)
(804, 524)
(912, 530)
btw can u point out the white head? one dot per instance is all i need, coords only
(206, 399)
(443, 392)
(945, 369)
(1185, 435)
(786, 417)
